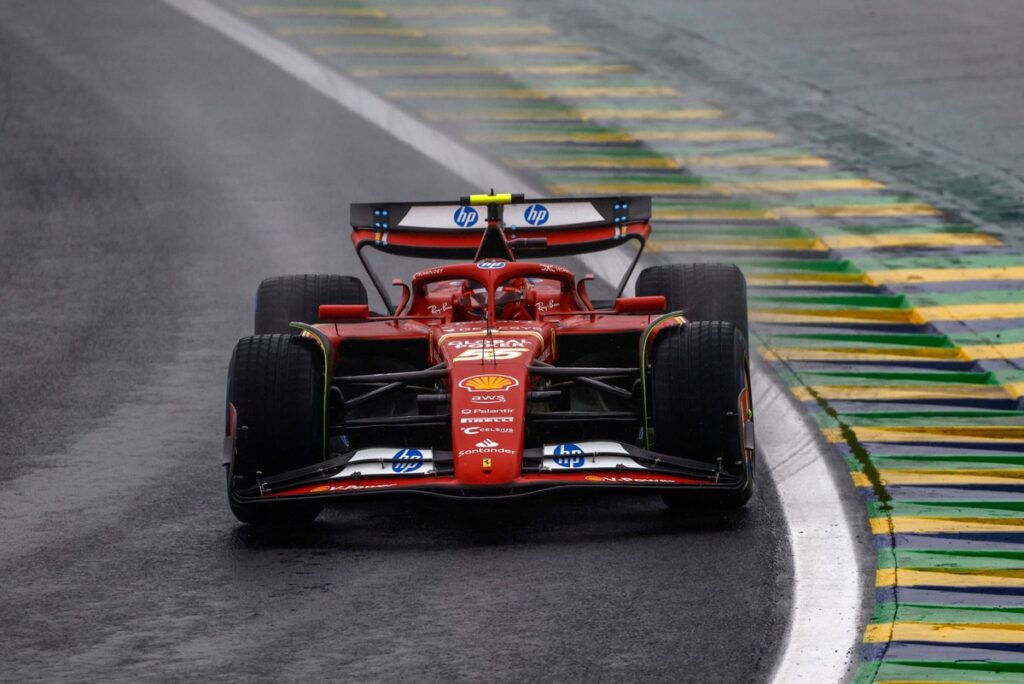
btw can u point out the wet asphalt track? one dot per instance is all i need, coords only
(150, 175)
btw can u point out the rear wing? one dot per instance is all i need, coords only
(454, 230)
(451, 230)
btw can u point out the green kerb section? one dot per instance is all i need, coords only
(939, 672)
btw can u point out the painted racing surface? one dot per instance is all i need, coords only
(898, 321)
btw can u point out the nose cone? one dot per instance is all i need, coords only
(489, 375)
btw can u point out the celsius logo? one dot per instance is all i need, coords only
(568, 456)
(466, 217)
(536, 214)
(407, 460)
(487, 443)
(490, 265)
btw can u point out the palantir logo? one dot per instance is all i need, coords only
(536, 214)
(568, 456)
(407, 460)
(466, 217)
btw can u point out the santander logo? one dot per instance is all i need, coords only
(487, 443)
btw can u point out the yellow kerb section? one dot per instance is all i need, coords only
(941, 632)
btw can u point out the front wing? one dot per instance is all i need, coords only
(584, 465)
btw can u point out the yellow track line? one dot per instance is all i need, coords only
(842, 211)
(963, 312)
(887, 577)
(910, 524)
(855, 354)
(1013, 476)
(831, 315)
(770, 186)
(911, 240)
(575, 115)
(981, 434)
(532, 94)
(743, 244)
(483, 69)
(318, 11)
(723, 135)
(944, 275)
(462, 51)
(900, 392)
(375, 13)
(1005, 633)
(596, 163)
(363, 31)
(802, 279)
(487, 30)
(1010, 350)
(651, 162)
(854, 210)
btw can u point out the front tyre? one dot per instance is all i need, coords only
(701, 406)
(276, 385)
(283, 299)
(703, 292)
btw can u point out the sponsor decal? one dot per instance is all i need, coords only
(427, 272)
(486, 463)
(536, 214)
(477, 452)
(548, 305)
(486, 443)
(485, 411)
(407, 460)
(488, 383)
(487, 398)
(490, 354)
(466, 217)
(477, 430)
(435, 309)
(489, 419)
(497, 343)
(569, 456)
(490, 265)
(627, 479)
(343, 487)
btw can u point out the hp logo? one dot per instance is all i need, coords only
(568, 456)
(466, 217)
(407, 461)
(536, 214)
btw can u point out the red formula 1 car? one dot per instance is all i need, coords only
(497, 376)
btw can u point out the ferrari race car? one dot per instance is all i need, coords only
(495, 376)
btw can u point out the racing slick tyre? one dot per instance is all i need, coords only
(700, 389)
(283, 299)
(276, 385)
(703, 292)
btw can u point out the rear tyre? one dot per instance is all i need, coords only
(700, 391)
(276, 385)
(283, 299)
(703, 292)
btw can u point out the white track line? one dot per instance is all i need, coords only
(823, 631)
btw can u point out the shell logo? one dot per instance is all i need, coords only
(488, 383)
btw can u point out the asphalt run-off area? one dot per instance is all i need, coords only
(863, 164)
